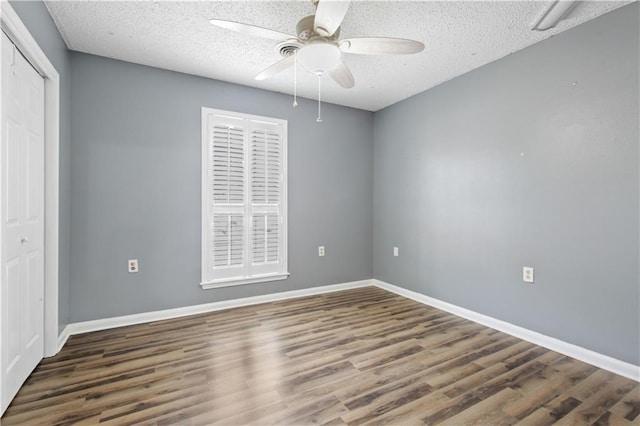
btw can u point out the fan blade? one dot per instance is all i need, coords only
(341, 75)
(380, 46)
(329, 16)
(276, 68)
(251, 30)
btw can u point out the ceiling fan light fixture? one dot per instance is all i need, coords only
(318, 58)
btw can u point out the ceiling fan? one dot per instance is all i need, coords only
(317, 47)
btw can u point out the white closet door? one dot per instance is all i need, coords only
(22, 221)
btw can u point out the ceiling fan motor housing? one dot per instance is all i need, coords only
(306, 30)
(306, 33)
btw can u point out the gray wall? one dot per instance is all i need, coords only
(135, 188)
(513, 165)
(37, 19)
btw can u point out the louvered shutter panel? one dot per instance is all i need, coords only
(227, 164)
(266, 201)
(227, 185)
(266, 238)
(265, 167)
(228, 240)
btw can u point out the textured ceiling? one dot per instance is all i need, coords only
(459, 36)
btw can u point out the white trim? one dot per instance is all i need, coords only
(19, 34)
(204, 198)
(230, 282)
(107, 323)
(599, 360)
(594, 358)
(64, 336)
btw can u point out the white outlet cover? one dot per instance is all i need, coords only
(395, 251)
(132, 265)
(527, 274)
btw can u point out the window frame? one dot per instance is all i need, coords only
(207, 211)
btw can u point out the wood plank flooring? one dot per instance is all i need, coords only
(363, 356)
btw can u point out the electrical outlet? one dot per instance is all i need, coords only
(395, 251)
(527, 274)
(133, 265)
(320, 250)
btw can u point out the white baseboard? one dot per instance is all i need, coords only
(107, 323)
(594, 358)
(62, 338)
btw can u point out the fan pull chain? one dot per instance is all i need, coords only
(295, 79)
(319, 119)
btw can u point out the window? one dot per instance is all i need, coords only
(244, 199)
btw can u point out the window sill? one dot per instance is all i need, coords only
(229, 282)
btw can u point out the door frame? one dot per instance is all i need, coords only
(18, 33)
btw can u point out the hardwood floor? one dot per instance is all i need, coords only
(358, 356)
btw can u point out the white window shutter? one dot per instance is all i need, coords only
(273, 239)
(266, 201)
(227, 164)
(228, 240)
(265, 166)
(244, 199)
(227, 188)
(266, 238)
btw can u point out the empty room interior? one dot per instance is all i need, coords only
(320, 212)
